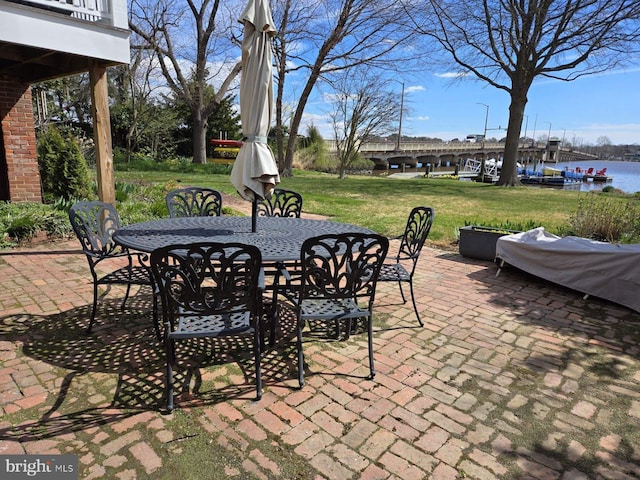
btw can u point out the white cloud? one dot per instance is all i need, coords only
(451, 74)
(415, 88)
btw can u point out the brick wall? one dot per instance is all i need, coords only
(19, 138)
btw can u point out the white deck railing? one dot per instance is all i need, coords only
(110, 12)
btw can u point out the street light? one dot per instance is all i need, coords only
(486, 119)
(484, 136)
(400, 124)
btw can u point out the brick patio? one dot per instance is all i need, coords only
(511, 377)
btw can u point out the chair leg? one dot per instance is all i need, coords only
(415, 307)
(349, 326)
(257, 339)
(273, 324)
(126, 296)
(300, 354)
(169, 353)
(271, 318)
(370, 341)
(274, 313)
(404, 300)
(94, 307)
(156, 323)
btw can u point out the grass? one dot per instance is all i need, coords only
(383, 204)
(379, 203)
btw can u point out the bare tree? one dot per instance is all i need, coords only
(362, 108)
(133, 91)
(317, 38)
(510, 43)
(189, 41)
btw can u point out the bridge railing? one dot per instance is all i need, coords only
(436, 147)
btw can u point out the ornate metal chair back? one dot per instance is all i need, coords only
(343, 266)
(194, 202)
(416, 233)
(281, 203)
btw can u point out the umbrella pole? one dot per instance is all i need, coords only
(254, 214)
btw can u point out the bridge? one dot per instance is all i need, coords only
(415, 154)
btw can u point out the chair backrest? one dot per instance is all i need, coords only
(206, 279)
(94, 224)
(342, 265)
(194, 202)
(416, 232)
(281, 203)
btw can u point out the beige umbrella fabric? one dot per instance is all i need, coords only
(255, 173)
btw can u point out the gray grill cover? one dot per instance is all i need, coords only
(601, 269)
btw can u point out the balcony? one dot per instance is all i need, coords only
(43, 39)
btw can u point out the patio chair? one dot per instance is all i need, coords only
(411, 242)
(94, 224)
(194, 202)
(338, 283)
(209, 290)
(281, 203)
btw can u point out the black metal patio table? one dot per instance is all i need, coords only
(278, 238)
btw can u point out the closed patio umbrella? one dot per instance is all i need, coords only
(255, 173)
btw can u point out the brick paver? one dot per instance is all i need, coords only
(511, 377)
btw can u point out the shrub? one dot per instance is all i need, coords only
(123, 190)
(63, 170)
(179, 165)
(605, 218)
(22, 221)
(506, 225)
(23, 228)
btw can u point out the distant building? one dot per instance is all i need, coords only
(632, 157)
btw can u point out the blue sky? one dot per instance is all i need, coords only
(582, 110)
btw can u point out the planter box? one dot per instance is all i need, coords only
(480, 242)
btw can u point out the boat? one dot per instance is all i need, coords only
(548, 176)
(226, 143)
(551, 172)
(224, 151)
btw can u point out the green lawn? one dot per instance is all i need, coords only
(383, 204)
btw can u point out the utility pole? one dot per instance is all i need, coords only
(484, 137)
(400, 124)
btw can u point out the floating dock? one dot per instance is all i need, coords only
(598, 178)
(553, 181)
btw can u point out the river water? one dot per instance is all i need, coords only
(625, 175)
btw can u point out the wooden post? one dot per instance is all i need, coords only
(102, 132)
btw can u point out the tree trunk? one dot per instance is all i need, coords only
(509, 171)
(287, 170)
(199, 139)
